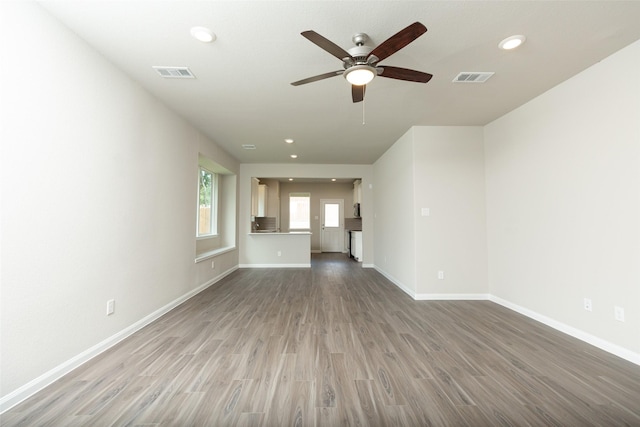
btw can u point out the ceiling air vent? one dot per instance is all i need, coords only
(472, 77)
(248, 146)
(174, 72)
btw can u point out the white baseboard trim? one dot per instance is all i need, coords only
(275, 265)
(429, 297)
(12, 399)
(395, 281)
(451, 297)
(570, 330)
(316, 251)
(614, 349)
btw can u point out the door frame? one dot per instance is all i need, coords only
(341, 220)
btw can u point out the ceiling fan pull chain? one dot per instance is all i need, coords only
(363, 112)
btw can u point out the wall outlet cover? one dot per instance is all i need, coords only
(111, 307)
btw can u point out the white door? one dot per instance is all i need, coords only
(331, 225)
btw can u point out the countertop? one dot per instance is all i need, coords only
(278, 233)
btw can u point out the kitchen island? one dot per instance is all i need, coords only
(274, 249)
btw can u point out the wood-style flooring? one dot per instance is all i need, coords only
(338, 345)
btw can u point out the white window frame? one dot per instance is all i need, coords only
(308, 196)
(214, 205)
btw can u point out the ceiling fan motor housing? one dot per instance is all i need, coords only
(359, 54)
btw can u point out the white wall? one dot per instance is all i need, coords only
(441, 169)
(248, 170)
(99, 185)
(449, 181)
(394, 225)
(563, 202)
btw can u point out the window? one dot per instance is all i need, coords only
(299, 211)
(331, 214)
(207, 194)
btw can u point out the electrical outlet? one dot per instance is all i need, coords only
(111, 307)
(587, 304)
(279, 253)
(441, 275)
(425, 212)
(618, 313)
(213, 264)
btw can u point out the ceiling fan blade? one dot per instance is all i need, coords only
(404, 74)
(357, 92)
(316, 78)
(398, 41)
(326, 44)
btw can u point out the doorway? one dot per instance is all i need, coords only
(332, 225)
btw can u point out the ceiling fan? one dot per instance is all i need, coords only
(360, 63)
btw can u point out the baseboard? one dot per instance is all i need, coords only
(395, 281)
(10, 400)
(570, 330)
(450, 297)
(427, 297)
(316, 251)
(275, 265)
(559, 326)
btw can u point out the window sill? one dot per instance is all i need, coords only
(208, 236)
(210, 254)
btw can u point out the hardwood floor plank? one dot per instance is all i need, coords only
(336, 345)
(250, 419)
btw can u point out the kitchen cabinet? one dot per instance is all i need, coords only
(255, 183)
(347, 242)
(356, 245)
(263, 200)
(357, 191)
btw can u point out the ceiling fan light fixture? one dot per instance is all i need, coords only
(359, 75)
(512, 42)
(203, 34)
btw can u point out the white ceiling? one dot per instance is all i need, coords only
(242, 93)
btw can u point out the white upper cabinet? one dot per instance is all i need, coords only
(357, 191)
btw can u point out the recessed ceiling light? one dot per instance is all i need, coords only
(290, 179)
(203, 34)
(512, 42)
(294, 156)
(289, 141)
(333, 179)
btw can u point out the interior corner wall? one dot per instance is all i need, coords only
(394, 214)
(99, 189)
(449, 181)
(563, 202)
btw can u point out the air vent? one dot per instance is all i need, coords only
(472, 77)
(175, 72)
(248, 146)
